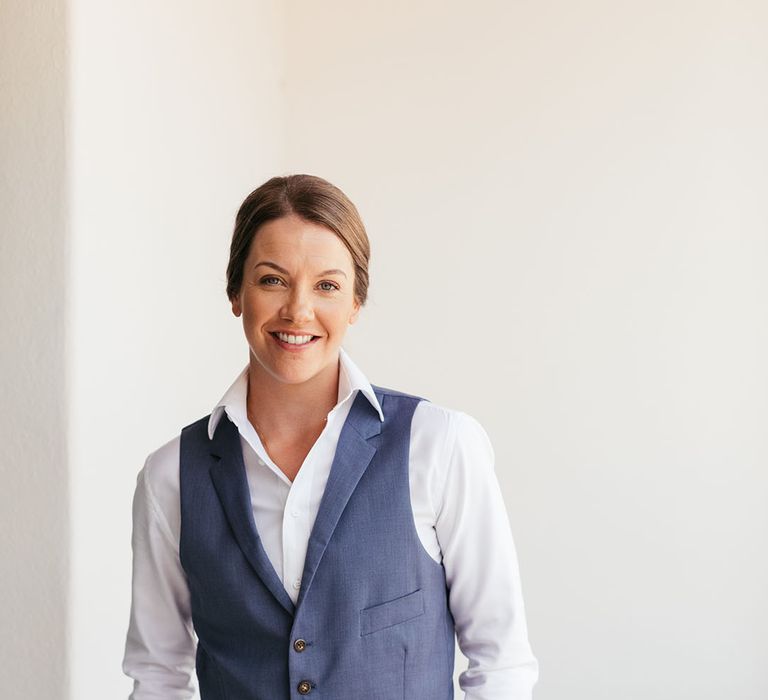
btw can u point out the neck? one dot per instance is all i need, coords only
(281, 408)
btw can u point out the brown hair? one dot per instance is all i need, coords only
(311, 198)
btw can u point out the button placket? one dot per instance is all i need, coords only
(294, 531)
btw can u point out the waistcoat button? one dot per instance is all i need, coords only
(299, 645)
(304, 687)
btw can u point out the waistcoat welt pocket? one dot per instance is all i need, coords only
(391, 613)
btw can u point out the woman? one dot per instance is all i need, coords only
(316, 534)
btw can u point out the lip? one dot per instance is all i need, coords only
(287, 332)
(294, 348)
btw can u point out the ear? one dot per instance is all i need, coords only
(356, 311)
(236, 310)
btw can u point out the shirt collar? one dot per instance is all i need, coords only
(234, 401)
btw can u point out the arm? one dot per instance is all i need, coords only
(160, 644)
(481, 568)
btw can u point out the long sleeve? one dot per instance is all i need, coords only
(481, 567)
(160, 644)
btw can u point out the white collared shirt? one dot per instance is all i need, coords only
(460, 519)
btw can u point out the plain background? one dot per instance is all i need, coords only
(567, 208)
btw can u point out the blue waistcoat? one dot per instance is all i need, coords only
(372, 620)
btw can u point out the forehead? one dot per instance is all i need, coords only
(293, 240)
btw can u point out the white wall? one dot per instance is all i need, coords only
(177, 117)
(34, 505)
(567, 203)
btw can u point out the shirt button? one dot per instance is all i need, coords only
(304, 687)
(295, 513)
(297, 584)
(299, 645)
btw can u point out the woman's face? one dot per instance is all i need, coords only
(299, 280)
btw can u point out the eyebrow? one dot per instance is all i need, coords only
(277, 267)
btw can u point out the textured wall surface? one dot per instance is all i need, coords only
(34, 499)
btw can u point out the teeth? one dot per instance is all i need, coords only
(294, 339)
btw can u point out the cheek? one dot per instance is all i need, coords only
(341, 319)
(257, 308)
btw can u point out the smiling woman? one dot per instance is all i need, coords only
(316, 533)
(297, 300)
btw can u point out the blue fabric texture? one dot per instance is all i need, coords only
(372, 619)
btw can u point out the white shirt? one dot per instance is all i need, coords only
(460, 519)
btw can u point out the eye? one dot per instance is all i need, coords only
(266, 280)
(332, 286)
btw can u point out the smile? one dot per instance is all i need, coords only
(294, 342)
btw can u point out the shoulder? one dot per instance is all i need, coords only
(457, 429)
(443, 429)
(450, 454)
(434, 416)
(157, 486)
(161, 467)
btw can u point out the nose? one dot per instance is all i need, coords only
(298, 306)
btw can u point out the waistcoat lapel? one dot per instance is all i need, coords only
(231, 484)
(354, 453)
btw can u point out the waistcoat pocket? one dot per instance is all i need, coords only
(391, 613)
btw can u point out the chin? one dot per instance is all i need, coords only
(294, 370)
(295, 374)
